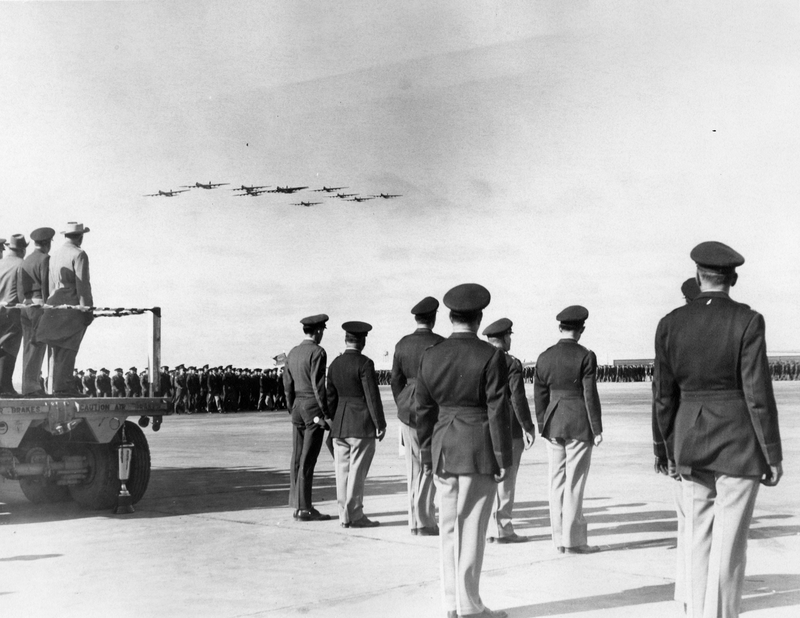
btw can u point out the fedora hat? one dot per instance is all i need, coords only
(17, 241)
(74, 227)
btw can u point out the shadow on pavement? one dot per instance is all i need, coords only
(760, 592)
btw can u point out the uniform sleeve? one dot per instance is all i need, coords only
(519, 400)
(44, 273)
(590, 395)
(332, 394)
(757, 387)
(427, 415)
(541, 397)
(496, 374)
(369, 382)
(288, 387)
(666, 397)
(82, 283)
(319, 361)
(398, 380)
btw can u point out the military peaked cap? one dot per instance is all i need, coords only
(498, 328)
(180, 366)
(716, 256)
(427, 305)
(690, 289)
(573, 315)
(118, 369)
(313, 320)
(467, 298)
(41, 234)
(360, 329)
(103, 370)
(132, 369)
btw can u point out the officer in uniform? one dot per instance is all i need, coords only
(164, 382)
(179, 384)
(522, 434)
(354, 402)
(193, 388)
(215, 390)
(63, 329)
(464, 430)
(717, 421)
(132, 384)
(10, 329)
(144, 380)
(407, 353)
(568, 414)
(89, 386)
(33, 286)
(103, 383)
(118, 383)
(304, 385)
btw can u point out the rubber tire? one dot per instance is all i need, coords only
(101, 489)
(39, 489)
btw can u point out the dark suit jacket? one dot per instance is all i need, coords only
(304, 382)
(354, 400)
(713, 404)
(521, 419)
(463, 416)
(33, 276)
(405, 365)
(565, 392)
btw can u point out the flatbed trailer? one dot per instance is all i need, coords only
(84, 448)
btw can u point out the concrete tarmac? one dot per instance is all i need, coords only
(213, 535)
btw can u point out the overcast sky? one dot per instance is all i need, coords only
(557, 152)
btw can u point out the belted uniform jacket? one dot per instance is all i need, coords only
(463, 416)
(713, 404)
(354, 400)
(521, 418)
(565, 392)
(405, 365)
(10, 328)
(304, 382)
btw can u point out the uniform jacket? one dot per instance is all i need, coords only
(521, 418)
(10, 328)
(463, 416)
(405, 365)
(103, 384)
(89, 385)
(713, 404)
(304, 381)
(565, 392)
(33, 276)
(354, 400)
(132, 383)
(118, 382)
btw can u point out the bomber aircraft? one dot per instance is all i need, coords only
(342, 196)
(328, 189)
(251, 193)
(287, 189)
(249, 189)
(170, 193)
(306, 204)
(360, 199)
(209, 185)
(387, 196)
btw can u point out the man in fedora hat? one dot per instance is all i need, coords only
(464, 430)
(568, 414)
(10, 328)
(499, 333)
(304, 384)
(63, 329)
(354, 402)
(716, 423)
(34, 289)
(407, 352)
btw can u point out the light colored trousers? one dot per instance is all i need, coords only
(569, 468)
(502, 522)
(32, 353)
(352, 459)
(421, 490)
(718, 511)
(680, 542)
(465, 506)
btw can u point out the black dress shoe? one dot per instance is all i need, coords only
(306, 515)
(364, 522)
(345, 524)
(514, 538)
(583, 549)
(487, 613)
(428, 531)
(560, 549)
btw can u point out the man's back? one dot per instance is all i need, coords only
(34, 276)
(353, 397)
(405, 365)
(69, 276)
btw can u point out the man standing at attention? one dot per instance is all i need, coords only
(63, 329)
(522, 435)
(421, 490)
(464, 430)
(354, 402)
(568, 415)
(33, 286)
(10, 329)
(716, 421)
(304, 384)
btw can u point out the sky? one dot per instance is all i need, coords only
(557, 153)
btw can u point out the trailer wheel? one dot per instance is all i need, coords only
(101, 487)
(40, 489)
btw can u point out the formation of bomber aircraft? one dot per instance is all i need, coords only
(256, 190)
